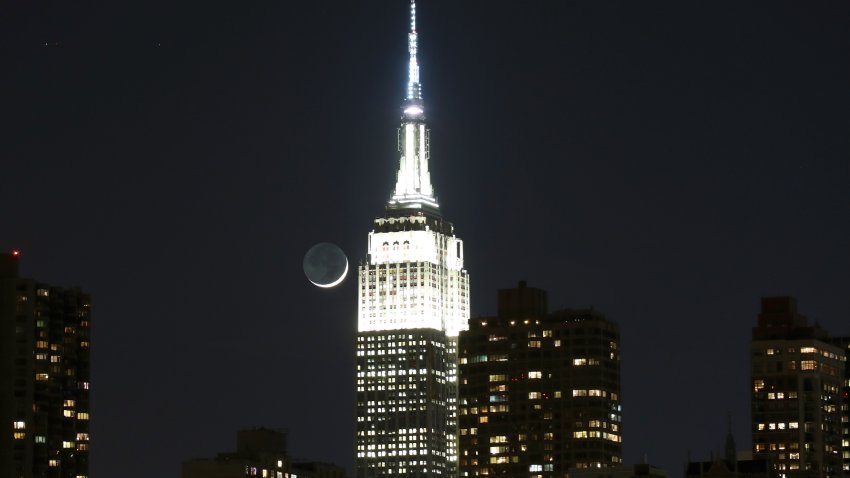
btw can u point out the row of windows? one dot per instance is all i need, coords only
(805, 350)
(778, 426)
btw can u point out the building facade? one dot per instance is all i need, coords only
(45, 373)
(844, 344)
(539, 391)
(797, 376)
(413, 296)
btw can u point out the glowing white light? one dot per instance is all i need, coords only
(413, 110)
(336, 282)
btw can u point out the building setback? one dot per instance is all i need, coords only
(797, 376)
(539, 391)
(44, 377)
(413, 296)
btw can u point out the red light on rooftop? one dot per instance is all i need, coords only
(16, 253)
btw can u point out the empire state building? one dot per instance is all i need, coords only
(413, 296)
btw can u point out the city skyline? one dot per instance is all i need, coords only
(668, 164)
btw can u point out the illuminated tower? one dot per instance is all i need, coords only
(797, 377)
(540, 390)
(44, 377)
(413, 296)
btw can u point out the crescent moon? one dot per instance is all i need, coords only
(336, 282)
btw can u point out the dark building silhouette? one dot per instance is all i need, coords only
(316, 469)
(641, 470)
(539, 391)
(44, 377)
(797, 378)
(730, 465)
(260, 452)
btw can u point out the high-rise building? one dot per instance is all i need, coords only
(797, 376)
(413, 296)
(844, 344)
(44, 377)
(539, 391)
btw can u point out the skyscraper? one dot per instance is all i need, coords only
(797, 376)
(44, 377)
(413, 295)
(539, 391)
(844, 344)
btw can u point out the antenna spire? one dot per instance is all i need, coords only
(414, 90)
(413, 184)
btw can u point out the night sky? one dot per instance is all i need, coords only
(668, 163)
